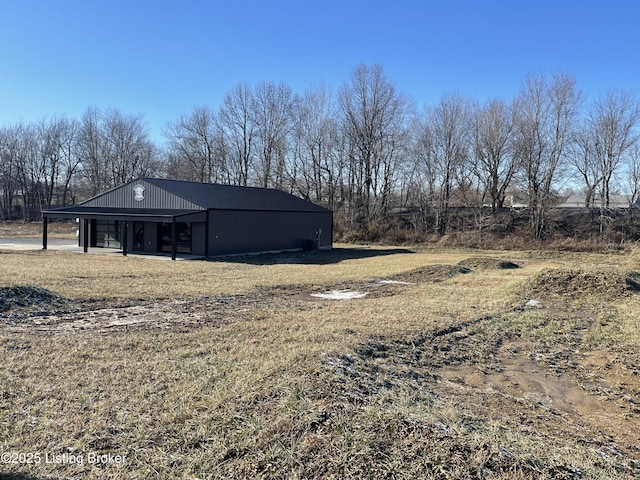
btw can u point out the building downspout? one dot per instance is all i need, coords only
(174, 240)
(206, 237)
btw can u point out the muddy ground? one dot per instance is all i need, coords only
(548, 390)
(554, 390)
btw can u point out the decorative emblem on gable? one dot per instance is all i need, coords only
(138, 192)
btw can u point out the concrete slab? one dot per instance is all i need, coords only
(66, 245)
(32, 243)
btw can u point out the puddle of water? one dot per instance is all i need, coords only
(523, 379)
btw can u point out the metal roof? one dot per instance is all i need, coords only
(119, 213)
(232, 197)
(164, 198)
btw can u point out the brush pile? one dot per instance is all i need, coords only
(27, 297)
(487, 263)
(607, 283)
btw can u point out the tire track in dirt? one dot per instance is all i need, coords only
(161, 315)
(479, 363)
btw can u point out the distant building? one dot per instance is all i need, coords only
(151, 215)
(515, 202)
(616, 202)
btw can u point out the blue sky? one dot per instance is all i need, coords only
(160, 58)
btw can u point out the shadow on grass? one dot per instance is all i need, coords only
(18, 476)
(315, 257)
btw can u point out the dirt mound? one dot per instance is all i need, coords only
(431, 273)
(485, 263)
(609, 283)
(26, 296)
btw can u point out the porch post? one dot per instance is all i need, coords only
(124, 238)
(45, 223)
(85, 234)
(174, 240)
(206, 236)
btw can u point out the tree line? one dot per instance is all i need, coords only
(366, 150)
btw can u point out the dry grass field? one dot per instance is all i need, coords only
(64, 229)
(455, 364)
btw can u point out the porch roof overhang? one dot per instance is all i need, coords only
(127, 214)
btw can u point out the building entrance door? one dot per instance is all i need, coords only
(183, 237)
(138, 236)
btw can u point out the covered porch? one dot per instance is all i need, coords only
(139, 231)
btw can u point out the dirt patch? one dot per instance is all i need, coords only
(546, 390)
(431, 273)
(572, 283)
(28, 299)
(179, 315)
(525, 380)
(486, 263)
(521, 384)
(386, 286)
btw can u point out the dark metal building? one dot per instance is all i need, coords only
(151, 215)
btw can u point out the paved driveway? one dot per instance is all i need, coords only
(33, 243)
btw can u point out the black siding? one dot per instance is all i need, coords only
(233, 232)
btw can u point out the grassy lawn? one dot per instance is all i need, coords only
(454, 365)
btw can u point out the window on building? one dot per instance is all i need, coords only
(106, 233)
(183, 237)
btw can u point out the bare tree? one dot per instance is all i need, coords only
(91, 147)
(442, 146)
(44, 162)
(546, 114)
(424, 175)
(374, 124)
(29, 170)
(70, 157)
(115, 148)
(239, 131)
(583, 159)
(193, 147)
(49, 145)
(127, 147)
(613, 119)
(633, 174)
(496, 162)
(30, 156)
(316, 146)
(271, 109)
(59, 158)
(10, 140)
